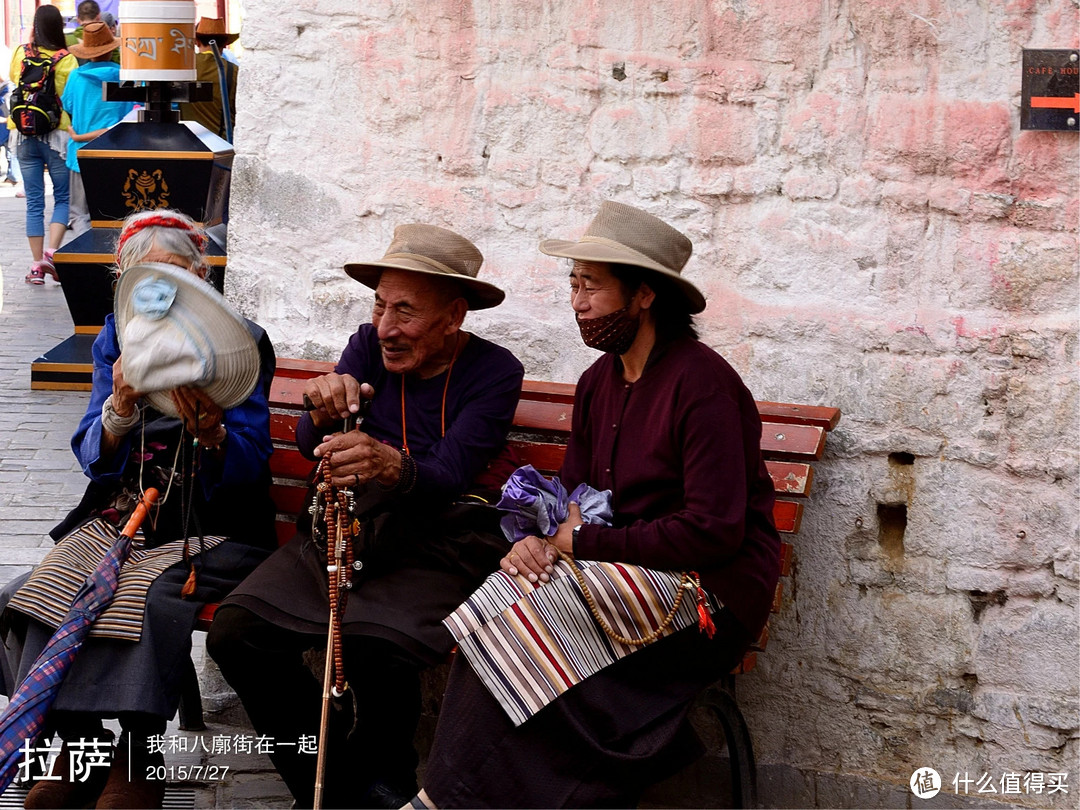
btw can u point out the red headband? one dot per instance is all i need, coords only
(160, 221)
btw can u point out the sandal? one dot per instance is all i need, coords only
(36, 275)
(48, 266)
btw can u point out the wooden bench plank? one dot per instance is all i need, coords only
(815, 415)
(547, 458)
(303, 369)
(287, 392)
(791, 479)
(788, 516)
(283, 428)
(762, 640)
(549, 417)
(288, 498)
(286, 462)
(797, 442)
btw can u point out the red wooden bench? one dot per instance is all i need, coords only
(793, 437)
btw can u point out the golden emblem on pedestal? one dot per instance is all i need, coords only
(146, 191)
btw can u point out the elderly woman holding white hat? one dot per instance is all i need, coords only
(667, 426)
(179, 403)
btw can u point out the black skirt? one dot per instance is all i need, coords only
(598, 745)
(419, 564)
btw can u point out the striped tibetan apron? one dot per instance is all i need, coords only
(530, 643)
(48, 593)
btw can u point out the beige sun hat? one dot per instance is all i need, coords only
(175, 329)
(622, 234)
(433, 251)
(97, 40)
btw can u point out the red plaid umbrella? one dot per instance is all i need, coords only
(21, 723)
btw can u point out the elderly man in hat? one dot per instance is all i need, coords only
(668, 427)
(418, 474)
(219, 114)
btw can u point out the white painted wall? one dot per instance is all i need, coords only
(873, 231)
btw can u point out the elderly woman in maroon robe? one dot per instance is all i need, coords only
(667, 426)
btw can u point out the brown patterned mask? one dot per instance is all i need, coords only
(614, 332)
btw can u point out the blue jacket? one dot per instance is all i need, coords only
(82, 102)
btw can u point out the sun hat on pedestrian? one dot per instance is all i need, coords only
(97, 40)
(432, 251)
(622, 234)
(174, 329)
(213, 28)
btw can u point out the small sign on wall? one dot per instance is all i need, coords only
(1050, 97)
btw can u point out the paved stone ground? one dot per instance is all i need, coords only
(40, 482)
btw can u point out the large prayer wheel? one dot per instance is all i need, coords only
(157, 41)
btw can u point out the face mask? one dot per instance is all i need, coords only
(610, 333)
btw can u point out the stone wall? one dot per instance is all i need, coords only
(873, 231)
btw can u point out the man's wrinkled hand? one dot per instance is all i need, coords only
(356, 458)
(335, 397)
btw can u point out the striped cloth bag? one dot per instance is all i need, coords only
(530, 643)
(48, 593)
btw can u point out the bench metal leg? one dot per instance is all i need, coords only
(721, 700)
(191, 713)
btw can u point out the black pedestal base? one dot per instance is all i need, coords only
(68, 366)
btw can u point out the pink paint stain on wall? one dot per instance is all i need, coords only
(975, 140)
(725, 133)
(1045, 165)
(448, 31)
(897, 30)
(905, 129)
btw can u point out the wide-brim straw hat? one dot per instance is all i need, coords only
(97, 40)
(175, 329)
(622, 234)
(432, 251)
(213, 28)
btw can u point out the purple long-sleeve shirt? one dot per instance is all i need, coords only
(680, 449)
(484, 388)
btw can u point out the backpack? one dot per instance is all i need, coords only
(35, 106)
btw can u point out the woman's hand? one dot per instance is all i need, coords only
(124, 397)
(201, 415)
(563, 539)
(532, 557)
(535, 558)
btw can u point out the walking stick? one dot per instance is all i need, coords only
(329, 690)
(339, 564)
